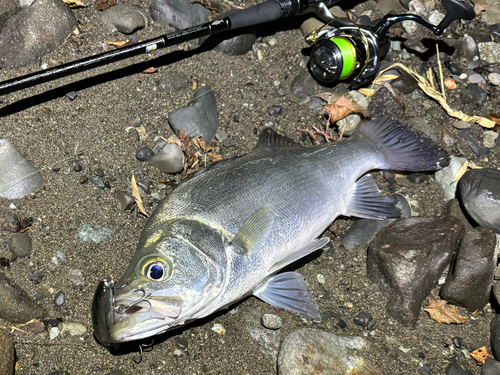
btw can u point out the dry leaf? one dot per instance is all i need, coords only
(186, 142)
(137, 197)
(215, 157)
(74, 3)
(340, 109)
(463, 169)
(444, 314)
(150, 70)
(479, 6)
(494, 117)
(480, 355)
(117, 43)
(450, 84)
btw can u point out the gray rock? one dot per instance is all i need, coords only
(98, 182)
(480, 193)
(460, 124)
(17, 175)
(312, 351)
(233, 43)
(406, 259)
(20, 245)
(418, 123)
(271, 321)
(478, 94)
(489, 138)
(34, 31)
(16, 306)
(362, 319)
(94, 233)
(125, 18)
(172, 82)
(7, 355)
(435, 17)
(199, 117)
(466, 47)
(495, 337)
(489, 51)
(453, 208)
(445, 176)
(126, 200)
(268, 339)
(363, 230)
(349, 124)
(490, 367)
(471, 274)
(304, 87)
(476, 78)
(179, 14)
(59, 298)
(390, 6)
(494, 79)
(455, 369)
(75, 276)
(144, 154)
(169, 159)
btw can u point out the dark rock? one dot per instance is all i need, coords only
(304, 87)
(312, 351)
(495, 337)
(83, 180)
(125, 18)
(20, 245)
(78, 167)
(455, 69)
(181, 342)
(274, 110)
(417, 178)
(453, 208)
(405, 83)
(59, 299)
(363, 230)
(59, 372)
(362, 319)
(144, 154)
(98, 182)
(425, 369)
(7, 355)
(99, 172)
(34, 31)
(342, 324)
(457, 342)
(199, 117)
(16, 306)
(490, 367)
(13, 171)
(145, 186)
(406, 259)
(478, 149)
(480, 193)
(126, 200)
(454, 369)
(478, 94)
(169, 159)
(179, 14)
(471, 273)
(466, 47)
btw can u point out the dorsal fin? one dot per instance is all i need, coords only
(269, 140)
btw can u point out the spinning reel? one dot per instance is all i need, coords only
(351, 52)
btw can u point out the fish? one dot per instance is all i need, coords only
(227, 231)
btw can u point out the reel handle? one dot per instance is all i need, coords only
(455, 10)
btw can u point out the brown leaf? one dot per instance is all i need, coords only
(215, 157)
(479, 6)
(105, 4)
(74, 3)
(480, 355)
(138, 200)
(118, 43)
(200, 143)
(186, 142)
(444, 314)
(150, 70)
(340, 109)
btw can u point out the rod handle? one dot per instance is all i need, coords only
(267, 11)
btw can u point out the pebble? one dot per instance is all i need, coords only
(480, 195)
(455, 69)
(179, 14)
(75, 277)
(73, 329)
(94, 233)
(98, 182)
(495, 337)
(406, 265)
(460, 124)
(359, 98)
(269, 340)
(425, 369)
(490, 367)
(125, 199)
(145, 186)
(312, 351)
(16, 306)
(494, 79)
(169, 159)
(25, 28)
(489, 51)
(472, 270)
(405, 83)
(144, 154)
(13, 166)
(177, 353)
(466, 47)
(124, 18)
(20, 245)
(199, 117)
(274, 110)
(271, 321)
(349, 124)
(445, 176)
(489, 138)
(417, 178)
(181, 342)
(59, 299)
(478, 149)
(320, 278)
(7, 355)
(53, 333)
(457, 341)
(362, 319)
(60, 257)
(423, 126)
(172, 82)
(476, 78)
(342, 323)
(231, 44)
(454, 369)
(219, 328)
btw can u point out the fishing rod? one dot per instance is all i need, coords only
(344, 51)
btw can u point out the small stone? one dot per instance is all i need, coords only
(71, 95)
(73, 329)
(179, 14)
(83, 180)
(342, 324)
(454, 369)
(425, 369)
(446, 176)
(476, 78)
(7, 355)
(75, 276)
(219, 328)
(181, 342)
(53, 333)
(178, 353)
(36, 327)
(274, 110)
(99, 172)
(271, 321)
(494, 79)
(94, 233)
(489, 51)
(145, 186)
(457, 341)
(144, 154)
(489, 138)
(466, 47)
(169, 159)
(20, 245)
(362, 319)
(59, 299)
(359, 98)
(460, 124)
(349, 124)
(125, 199)
(490, 367)
(417, 178)
(450, 84)
(455, 69)
(98, 182)
(125, 18)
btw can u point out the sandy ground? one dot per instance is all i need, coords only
(47, 128)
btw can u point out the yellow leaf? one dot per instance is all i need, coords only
(137, 197)
(74, 3)
(116, 44)
(444, 314)
(384, 78)
(480, 355)
(367, 92)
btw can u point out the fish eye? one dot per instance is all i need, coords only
(156, 270)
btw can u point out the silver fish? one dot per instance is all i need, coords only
(226, 232)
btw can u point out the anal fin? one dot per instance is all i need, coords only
(288, 291)
(300, 253)
(369, 203)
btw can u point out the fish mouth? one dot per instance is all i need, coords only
(134, 315)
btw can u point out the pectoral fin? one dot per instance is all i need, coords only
(289, 291)
(369, 203)
(254, 229)
(300, 253)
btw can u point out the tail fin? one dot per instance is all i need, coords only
(401, 149)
